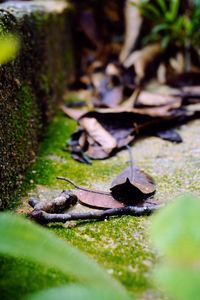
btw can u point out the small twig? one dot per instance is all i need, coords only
(136, 94)
(81, 188)
(44, 218)
(57, 205)
(33, 202)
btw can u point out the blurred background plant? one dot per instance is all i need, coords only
(173, 24)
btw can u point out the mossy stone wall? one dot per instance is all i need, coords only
(32, 85)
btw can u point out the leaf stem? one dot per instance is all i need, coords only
(81, 188)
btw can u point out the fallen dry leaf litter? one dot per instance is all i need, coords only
(114, 109)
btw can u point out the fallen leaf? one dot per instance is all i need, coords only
(113, 97)
(106, 132)
(184, 79)
(133, 186)
(190, 95)
(98, 134)
(170, 135)
(73, 113)
(153, 99)
(140, 59)
(97, 199)
(92, 198)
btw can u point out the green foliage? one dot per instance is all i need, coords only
(170, 26)
(175, 233)
(9, 47)
(73, 292)
(22, 239)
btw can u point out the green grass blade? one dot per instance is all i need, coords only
(160, 27)
(163, 6)
(173, 10)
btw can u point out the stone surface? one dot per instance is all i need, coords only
(32, 85)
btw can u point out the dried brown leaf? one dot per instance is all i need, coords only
(98, 134)
(92, 198)
(72, 113)
(153, 99)
(140, 59)
(113, 97)
(97, 199)
(133, 22)
(132, 186)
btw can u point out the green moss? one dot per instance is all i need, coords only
(40, 19)
(3, 27)
(119, 244)
(45, 83)
(21, 119)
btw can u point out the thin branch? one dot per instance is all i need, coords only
(81, 188)
(43, 217)
(57, 205)
(33, 202)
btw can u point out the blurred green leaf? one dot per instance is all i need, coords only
(163, 5)
(22, 239)
(173, 26)
(73, 292)
(179, 283)
(173, 11)
(176, 234)
(176, 230)
(9, 47)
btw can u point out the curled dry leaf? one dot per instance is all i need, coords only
(92, 198)
(113, 97)
(94, 150)
(133, 186)
(154, 99)
(73, 113)
(190, 95)
(140, 59)
(133, 22)
(184, 79)
(97, 199)
(170, 135)
(157, 111)
(98, 134)
(107, 131)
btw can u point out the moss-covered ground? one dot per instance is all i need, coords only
(120, 245)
